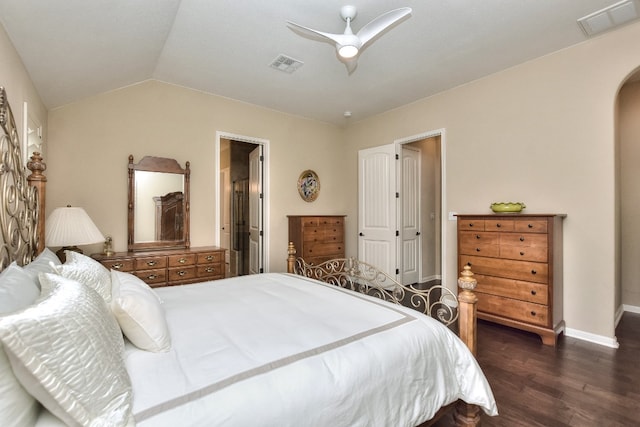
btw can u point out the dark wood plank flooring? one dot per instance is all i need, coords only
(576, 383)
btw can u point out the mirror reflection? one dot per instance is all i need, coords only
(158, 204)
(159, 196)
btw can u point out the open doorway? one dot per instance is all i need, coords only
(241, 202)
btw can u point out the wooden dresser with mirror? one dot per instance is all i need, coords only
(158, 239)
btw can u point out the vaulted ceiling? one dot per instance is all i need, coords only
(78, 48)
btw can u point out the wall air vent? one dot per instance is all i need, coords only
(608, 18)
(286, 64)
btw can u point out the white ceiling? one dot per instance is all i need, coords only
(78, 48)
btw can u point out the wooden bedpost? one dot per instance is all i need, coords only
(466, 414)
(291, 258)
(39, 181)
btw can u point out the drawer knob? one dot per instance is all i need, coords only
(210, 270)
(534, 272)
(151, 276)
(477, 236)
(522, 238)
(117, 266)
(469, 264)
(470, 224)
(181, 273)
(498, 225)
(521, 253)
(477, 249)
(533, 313)
(530, 225)
(151, 263)
(209, 257)
(182, 260)
(533, 292)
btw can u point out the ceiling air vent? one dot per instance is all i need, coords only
(609, 17)
(286, 64)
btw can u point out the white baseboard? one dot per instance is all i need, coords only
(430, 278)
(596, 339)
(630, 309)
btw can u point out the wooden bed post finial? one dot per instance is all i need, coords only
(468, 300)
(291, 258)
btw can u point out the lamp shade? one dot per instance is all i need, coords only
(71, 226)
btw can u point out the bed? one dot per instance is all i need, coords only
(82, 345)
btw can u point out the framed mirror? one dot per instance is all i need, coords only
(158, 216)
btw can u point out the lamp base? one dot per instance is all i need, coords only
(60, 252)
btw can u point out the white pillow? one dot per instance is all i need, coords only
(139, 313)
(87, 271)
(67, 351)
(17, 289)
(17, 407)
(42, 264)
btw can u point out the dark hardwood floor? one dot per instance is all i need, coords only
(574, 384)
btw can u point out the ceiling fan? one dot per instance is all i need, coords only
(349, 45)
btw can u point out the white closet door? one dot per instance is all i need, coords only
(377, 207)
(255, 211)
(409, 254)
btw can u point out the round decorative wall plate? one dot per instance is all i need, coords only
(308, 185)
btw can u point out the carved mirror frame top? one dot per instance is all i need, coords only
(157, 164)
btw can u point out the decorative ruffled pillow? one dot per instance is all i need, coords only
(18, 408)
(67, 351)
(87, 271)
(139, 313)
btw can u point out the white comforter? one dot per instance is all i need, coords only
(281, 350)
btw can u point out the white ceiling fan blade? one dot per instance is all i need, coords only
(336, 38)
(381, 23)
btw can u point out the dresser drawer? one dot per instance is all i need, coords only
(510, 288)
(523, 239)
(499, 224)
(210, 257)
(209, 270)
(471, 224)
(524, 253)
(531, 226)
(511, 269)
(535, 314)
(151, 262)
(177, 274)
(323, 249)
(484, 237)
(180, 260)
(473, 248)
(126, 264)
(155, 277)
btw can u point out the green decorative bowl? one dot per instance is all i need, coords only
(506, 207)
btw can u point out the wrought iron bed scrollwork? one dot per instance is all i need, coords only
(21, 199)
(437, 301)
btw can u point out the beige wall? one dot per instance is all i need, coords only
(543, 133)
(91, 140)
(19, 87)
(629, 136)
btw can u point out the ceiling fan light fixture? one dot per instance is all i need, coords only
(347, 51)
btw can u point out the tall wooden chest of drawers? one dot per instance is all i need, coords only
(517, 261)
(169, 267)
(317, 238)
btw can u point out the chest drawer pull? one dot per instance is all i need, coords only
(534, 272)
(210, 270)
(182, 260)
(498, 225)
(477, 236)
(533, 313)
(181, 273)
(151, 263)
(117, 266)
(522, 238)
(477, 249)
(521, 253)
(151, 276)
(530, 225)
(470, 224)
(209, 257)
(533, 292)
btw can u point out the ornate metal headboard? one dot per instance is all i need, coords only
(21, 198)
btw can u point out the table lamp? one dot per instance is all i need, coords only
(68, 227)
